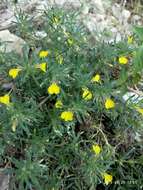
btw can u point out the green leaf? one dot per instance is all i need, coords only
(138, 60)
(139, 31)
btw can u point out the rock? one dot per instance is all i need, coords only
(132, 97)
(114, 20)
(66, 3)
(3, 5)
(122, 14)
(98, 6)
(10, 42)
(136, 18)
(95, 14)
(33, 8)
(7, 86)
(116, 11)
(93, 6)
(126, 14)
(6, 18)
(40, 34)
(4, 181)
(85, 9)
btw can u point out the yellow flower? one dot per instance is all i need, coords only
(5, 99)
(130, 39)
(14, 72)
(96, 149)
(43, 54)
(123, 60)
(87, 95)
(67, 115)
(96, 78)
(59, 104)
(42, 66)
(53, 89)
(107, 178)
(140, 110)
(109, 103)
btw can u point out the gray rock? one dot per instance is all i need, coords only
(10, 42)
(7, 86)
(40, 34)
(4, 181)
(3, 5)
(132, 97)
(66, 3)
(6, 18)
(98, 6)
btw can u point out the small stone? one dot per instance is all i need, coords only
(116, 10)
(40, 34)
(98, 4)
(126, 14)
(7, 86)
(136, 17)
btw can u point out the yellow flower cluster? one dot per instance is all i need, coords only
(14, 72)
(107, 177)
(54, 88)
(87, 94)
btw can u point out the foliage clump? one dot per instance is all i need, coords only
(63, 121)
